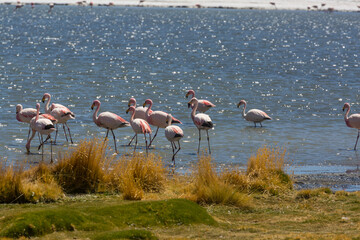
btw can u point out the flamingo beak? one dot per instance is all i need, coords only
(238, 105)
(43, 99)
(189, 104)
(92, 107)
(144, 104)
(127, 111)
(343, 109)
(129, 105)
(187, 95)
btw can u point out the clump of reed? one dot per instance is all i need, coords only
(10, 183)
(311, 193)
(209, 188)
(34, 185)
(265, 173)
(135, 174)
(83, 169)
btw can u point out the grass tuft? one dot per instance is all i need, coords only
(265, 173)
(210, 189)
(136, 174)
(127, 234)
(10, 183)
(82, 171)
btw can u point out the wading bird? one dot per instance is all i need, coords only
(26, 114)
(44, 127)
(253, 115)
(108, 120)
(140, 112)
(173, 134)
(201, 120)
(139, 126)
(203, 105)
(61, 113)
(352, 121)
(156, 118)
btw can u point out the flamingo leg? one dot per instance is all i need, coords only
(51, 158)
(42, 143)
(57, 129)
(357, 139)
(199, 141)
(177, 150)
(69, 134)
(135, 142)
(29, 141)
(146, 144)
(131, 140)
(255, 124)
(107, 133)
(207, 132)
(42, 149)
(29, 133)
(65, 132)
(154, 136)
(260, 124)
(114, 140)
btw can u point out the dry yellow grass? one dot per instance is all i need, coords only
(83, 169)
(10, 183)
(135, 174)
(265, 173)
(210, 189)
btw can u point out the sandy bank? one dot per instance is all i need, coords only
(313, 5)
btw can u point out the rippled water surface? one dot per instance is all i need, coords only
(299, 67)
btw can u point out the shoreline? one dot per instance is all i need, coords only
(304, 5)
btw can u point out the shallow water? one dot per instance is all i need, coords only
(299, 67)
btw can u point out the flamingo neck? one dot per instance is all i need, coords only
(95, 117)
(193, 112)
(47, 109)
(148, 110)
(243, 112)
(37, 112)
(132, 115)
(346, 117)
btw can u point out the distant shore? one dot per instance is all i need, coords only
(312, 5)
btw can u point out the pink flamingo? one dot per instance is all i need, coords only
(156, 118)
(140, 112)
(203, 106)
(61, 113)
(139, 126)
(201, 120)
(108, 120)
(253, 115)
(352, 121)
(26, 114)
(173, 134)
(43, 126)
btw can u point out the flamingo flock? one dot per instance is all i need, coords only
(141, 118)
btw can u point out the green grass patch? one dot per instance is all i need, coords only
(127, 234)
(139, 214)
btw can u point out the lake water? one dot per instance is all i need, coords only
(299, 67)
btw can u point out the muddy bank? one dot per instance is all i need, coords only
(348, 181)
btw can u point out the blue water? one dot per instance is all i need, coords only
(299, 67)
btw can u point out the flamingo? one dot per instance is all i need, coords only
(108, 120)
(203, 106)
(352, 121)
(253, 115)
(156, 118)
(61, 113)
(139, 126)
(201, 120)
(26, 114)
(173, 134)
(140, 112)
(43, 126)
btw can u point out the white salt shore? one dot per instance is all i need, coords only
(328, 5)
